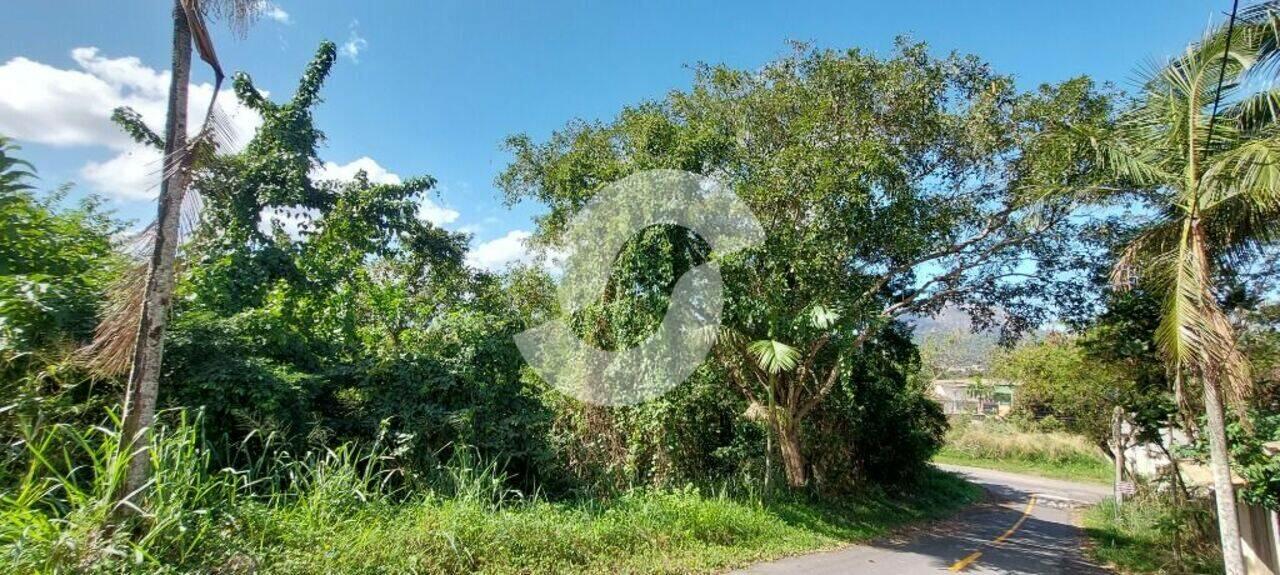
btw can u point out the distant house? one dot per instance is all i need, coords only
(974, 396)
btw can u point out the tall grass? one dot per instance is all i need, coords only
(1152, 533)
(1002, 445)
(63, 515)
(351, 510)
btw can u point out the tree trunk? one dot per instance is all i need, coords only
(1224, 491)
(1117, 434)
(792, 457)
(144, 378)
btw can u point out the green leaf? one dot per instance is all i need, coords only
(823, 317)
(774, 356)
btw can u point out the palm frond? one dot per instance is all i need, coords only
(823, 317)
(110, 352)
(1262, 22)
(13, 171)
(1145, 254)
(1194, 333)
(1249, 172)
(1256, 112)
(239, 15)
(774, 356)
(1134, 167)
(1182, 332)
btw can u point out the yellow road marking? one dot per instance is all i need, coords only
(1025, 514)
(970, 558)
(961, 564)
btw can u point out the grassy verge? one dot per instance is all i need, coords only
(1150, 535)
(1087, 472)
(1003, 447)
(334, 513)
(638, 532)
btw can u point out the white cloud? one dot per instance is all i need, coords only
(427, 210)
(133, 174)
(436, 213)
(123, 74)
(355, 43)
(273, 11)
(500, 253)
(343, 172)
(72, 107)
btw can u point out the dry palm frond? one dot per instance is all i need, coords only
(239, 15)
(1232, 367)
(110, 354)
(1143, 254)
(1194, 333)
(759, 413)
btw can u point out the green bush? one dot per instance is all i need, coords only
(56, 261)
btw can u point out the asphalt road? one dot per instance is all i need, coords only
(1025, 527)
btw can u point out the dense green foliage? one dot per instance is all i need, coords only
(1060, 389)
(56, 262)
(358, 383)
(343, 392)
(359, 322)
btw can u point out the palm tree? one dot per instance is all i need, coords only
(1207, 153)
(13, 171)
(773, 367)
(157, 290)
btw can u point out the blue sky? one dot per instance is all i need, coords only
(434, 87)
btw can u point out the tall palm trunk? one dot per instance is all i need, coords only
(786, 426)
(1219, 458)
(144, 379)
(1223, 490)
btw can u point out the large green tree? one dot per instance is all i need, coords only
(886, 186)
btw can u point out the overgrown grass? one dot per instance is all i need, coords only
(1152, 535)
(1002, 446)
(338, 512)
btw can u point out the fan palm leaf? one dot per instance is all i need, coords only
(774, 356)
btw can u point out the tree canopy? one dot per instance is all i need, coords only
(886, 186)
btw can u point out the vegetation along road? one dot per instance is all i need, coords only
(1025, 526)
